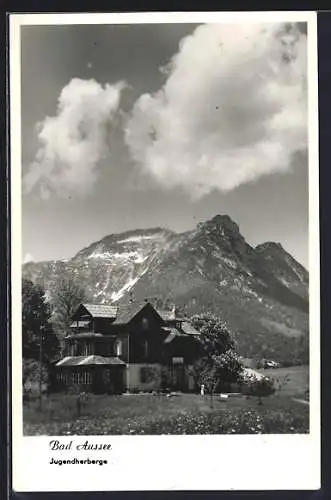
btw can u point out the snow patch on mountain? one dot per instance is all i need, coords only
(135, 256)
(137, 239)
(126, 288)
(140, 259)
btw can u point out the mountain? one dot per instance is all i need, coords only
(285, 268)
(262, 292)
(109, 268)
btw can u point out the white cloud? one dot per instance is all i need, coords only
(28, 258)
(74, 140)
(233, 108)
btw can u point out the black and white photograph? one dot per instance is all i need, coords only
(165, 216)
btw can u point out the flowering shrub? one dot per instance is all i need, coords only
(260, 387)
(271, 421)
(220, 365)
(31, 378)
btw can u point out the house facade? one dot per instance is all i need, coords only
(127, 348)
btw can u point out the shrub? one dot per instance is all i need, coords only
(217, 373)
(259, 387)
(31, 376)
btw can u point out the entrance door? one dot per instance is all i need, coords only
(179, 378)
(113, 380)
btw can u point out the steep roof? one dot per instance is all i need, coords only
(128, 311)
(166, 315)
(101, 311)
(123, 314)
(189, 329)
(172, 334)
(88, 361)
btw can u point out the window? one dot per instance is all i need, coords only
(148, 374)
(86, 376)
(118, 348)
(109, 349)
(87, 348)
(146, 350)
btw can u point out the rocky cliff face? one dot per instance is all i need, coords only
(262, 292)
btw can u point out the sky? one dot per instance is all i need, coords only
(136, 126)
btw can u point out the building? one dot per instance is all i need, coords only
(114, 349)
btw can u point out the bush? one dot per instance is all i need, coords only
(31, 376)
(218, 373)
(259, 387)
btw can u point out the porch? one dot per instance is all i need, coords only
(96, 374)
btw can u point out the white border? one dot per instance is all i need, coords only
(170, 462)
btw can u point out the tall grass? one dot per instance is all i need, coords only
(148, 414)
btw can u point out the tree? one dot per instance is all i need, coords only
(36, 324)
(32, 374)
(215, 335)
(67, 296)
(161, 303)
(220, 365)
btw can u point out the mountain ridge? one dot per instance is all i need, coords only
(261, 291)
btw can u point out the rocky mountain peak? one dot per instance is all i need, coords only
(221, 223)
(269, 246)
(261, 292)
(222, 234)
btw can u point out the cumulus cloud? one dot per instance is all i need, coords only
(27, 258)
(233, 108)
(74, 140)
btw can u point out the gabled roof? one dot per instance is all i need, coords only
(123, 314)
(88, 361)
(166, 315)
(172, 333)
(189, 329)
(126, 312)
(101, 311)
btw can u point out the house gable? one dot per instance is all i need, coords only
(148, 313)
(140, 333)
(81, 314)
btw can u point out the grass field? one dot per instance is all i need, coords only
(179, 414)
(292, 381)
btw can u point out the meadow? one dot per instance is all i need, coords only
(292, 381)
(152, 414)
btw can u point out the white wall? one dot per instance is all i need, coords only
(134, 381)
